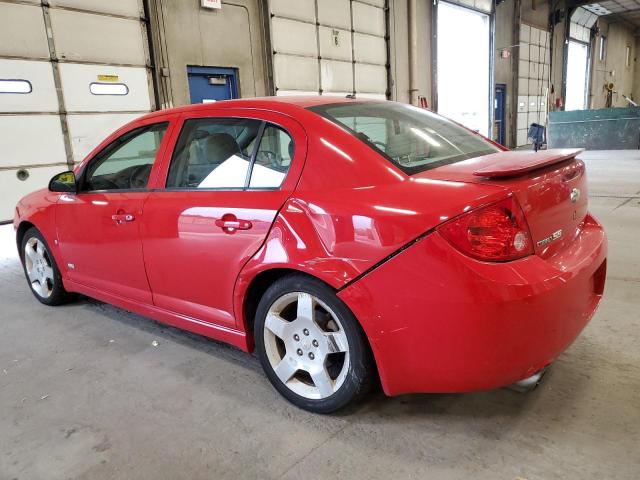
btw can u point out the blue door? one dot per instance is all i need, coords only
(209, 84)
(499, 126)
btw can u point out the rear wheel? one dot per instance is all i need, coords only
(41, 270)
(311, 346)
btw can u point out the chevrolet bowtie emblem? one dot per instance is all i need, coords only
(575, 195)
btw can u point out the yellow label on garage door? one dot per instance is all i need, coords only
(108, 78)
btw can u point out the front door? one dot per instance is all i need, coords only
(227, 179)
(99, 227)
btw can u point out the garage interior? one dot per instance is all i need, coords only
(89, 391)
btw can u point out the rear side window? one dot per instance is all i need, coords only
(229, 153)
(273, 158)
(414, 139)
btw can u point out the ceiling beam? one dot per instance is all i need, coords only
(579, 3)
(619, 18)
(615, 17)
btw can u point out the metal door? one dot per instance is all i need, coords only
(71, 72)
(211, 84)
(329, 47)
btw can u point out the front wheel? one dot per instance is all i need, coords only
(310, 345)
(41, 269)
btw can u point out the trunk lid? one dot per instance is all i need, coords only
(550, 186)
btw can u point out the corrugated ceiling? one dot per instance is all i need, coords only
(626, 10)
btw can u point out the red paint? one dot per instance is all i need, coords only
(106, 253)
(455, 324)
(437, 319)
(512, 164)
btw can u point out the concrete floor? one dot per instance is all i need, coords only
(85, 395)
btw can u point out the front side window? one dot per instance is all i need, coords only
(126, 163)
(413, 139)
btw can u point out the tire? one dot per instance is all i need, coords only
(319, 361)
(41, 270)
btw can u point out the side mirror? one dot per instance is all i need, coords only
(63, 182)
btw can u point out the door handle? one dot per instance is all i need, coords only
(121, 218)
(229, 223)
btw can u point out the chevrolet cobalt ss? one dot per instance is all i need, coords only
(344, 240)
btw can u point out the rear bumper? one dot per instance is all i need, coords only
(439, 321)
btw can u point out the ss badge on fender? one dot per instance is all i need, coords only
(547, 240)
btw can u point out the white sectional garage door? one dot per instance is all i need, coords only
(533, 80)
(329, 47)
(62, 93)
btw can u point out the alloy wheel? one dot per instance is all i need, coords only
(39, 268)
(306, 345)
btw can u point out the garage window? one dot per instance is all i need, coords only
(15, 86)
(603, 48)
(98, 88)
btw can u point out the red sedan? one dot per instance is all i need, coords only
(345, 240)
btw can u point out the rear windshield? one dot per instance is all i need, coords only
(414, 139)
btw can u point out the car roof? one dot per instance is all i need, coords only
(279, 104)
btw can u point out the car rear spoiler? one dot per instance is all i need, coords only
(514, 163)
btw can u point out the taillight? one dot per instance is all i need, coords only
(495, 233)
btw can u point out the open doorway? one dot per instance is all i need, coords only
(577, 70)
(463, 66)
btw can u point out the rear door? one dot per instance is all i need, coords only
(99, 227)
(228, 175)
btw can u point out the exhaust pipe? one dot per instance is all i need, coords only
(530, 383)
